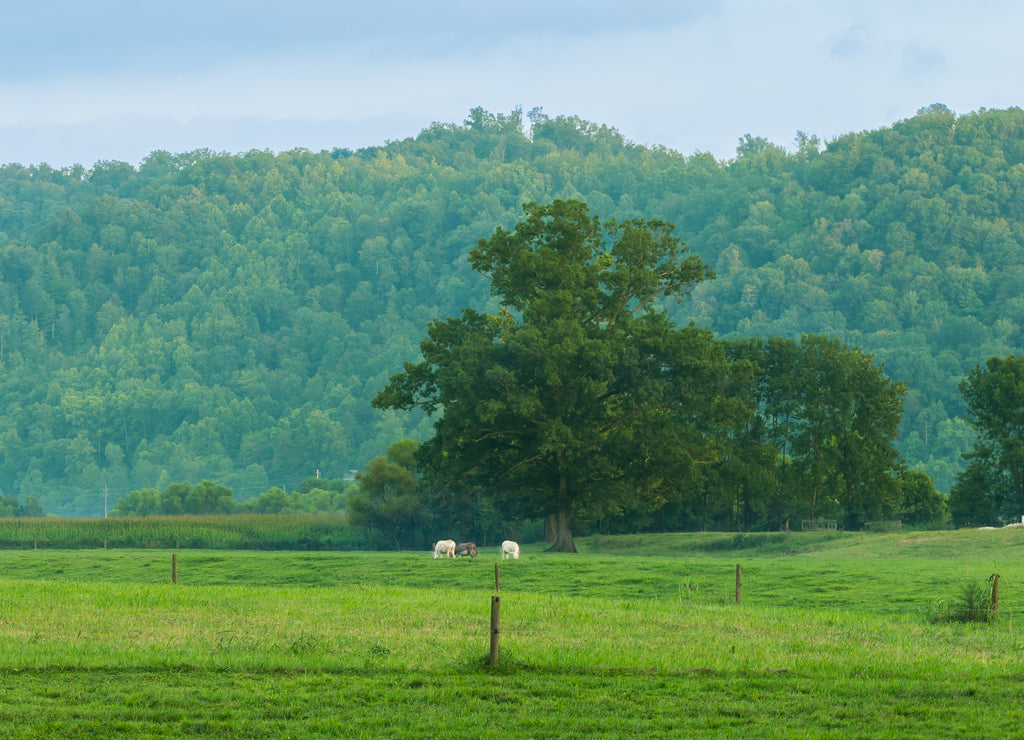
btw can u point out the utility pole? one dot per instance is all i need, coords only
(105, 491)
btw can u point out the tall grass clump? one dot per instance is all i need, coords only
(974, 604)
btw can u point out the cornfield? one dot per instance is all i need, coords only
(235, 532)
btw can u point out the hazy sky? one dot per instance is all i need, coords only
(89, 80)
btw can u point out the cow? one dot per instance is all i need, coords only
(466, 548)
(444, 548)
(508, 547)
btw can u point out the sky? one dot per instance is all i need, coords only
(83, 81)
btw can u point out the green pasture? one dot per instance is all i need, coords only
(636, 635)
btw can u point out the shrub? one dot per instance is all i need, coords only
(973, 605)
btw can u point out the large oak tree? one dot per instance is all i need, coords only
(579, 395)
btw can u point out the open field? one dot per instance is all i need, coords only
(633, 636)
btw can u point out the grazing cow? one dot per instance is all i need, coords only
(508, 547)
(466, 548)
(444, 548)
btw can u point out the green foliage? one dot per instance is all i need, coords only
(390, 497)
(313, 496)
(991, 489)
(229, 317)
(827, 416)
(11, 507)
(920, 504)
(972, 501)
(579, 395)
(974, 604)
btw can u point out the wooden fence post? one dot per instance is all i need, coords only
(497, 578)
(739, 570)
(174, 567)
(495, 619)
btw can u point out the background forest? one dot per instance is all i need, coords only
(229, 317)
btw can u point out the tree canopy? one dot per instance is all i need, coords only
(991, 489)
(829, 416)
(389, 498)
(567, 399)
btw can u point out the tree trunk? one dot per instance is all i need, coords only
(563, 534)
(550, 528)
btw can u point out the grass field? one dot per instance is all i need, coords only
(634, 636)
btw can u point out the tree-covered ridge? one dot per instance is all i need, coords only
(229, 317)
(906, 242)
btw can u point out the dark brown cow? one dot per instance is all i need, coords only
(466, 548)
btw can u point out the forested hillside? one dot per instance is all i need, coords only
(229, 317)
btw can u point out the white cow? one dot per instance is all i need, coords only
(508, 547)
(444, 548)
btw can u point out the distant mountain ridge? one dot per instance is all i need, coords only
(229, 317)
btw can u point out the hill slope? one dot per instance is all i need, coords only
(229, 316)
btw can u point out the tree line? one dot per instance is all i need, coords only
(312, 496)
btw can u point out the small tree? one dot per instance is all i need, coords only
(995, 408)
(208, 497)
(977, 493)
(389, 499)
(920, 503)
